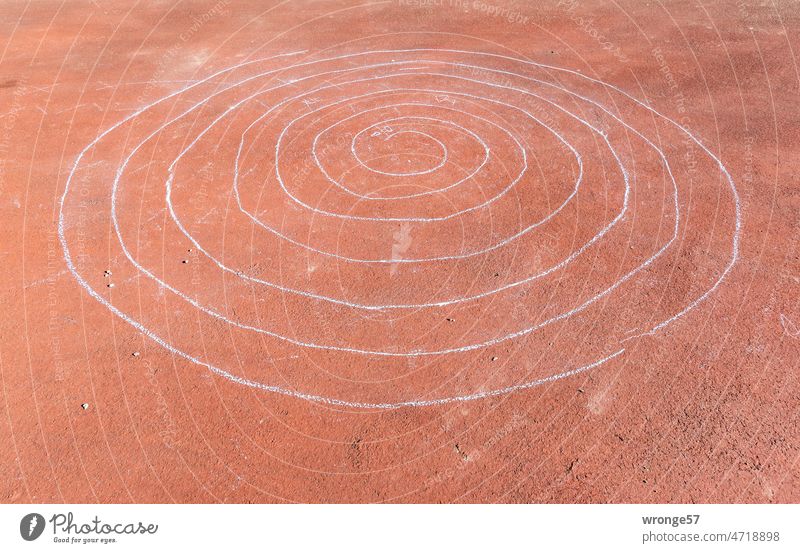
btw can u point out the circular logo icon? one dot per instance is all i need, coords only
(31, 526)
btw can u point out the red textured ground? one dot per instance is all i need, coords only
(611, 317)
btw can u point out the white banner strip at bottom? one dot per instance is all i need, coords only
(353, 528)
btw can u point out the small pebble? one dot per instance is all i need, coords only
(85, 406)
(110, 285)
(136, 354)
(450, 320)
(107, 273)
(494, 358)
(185, 261)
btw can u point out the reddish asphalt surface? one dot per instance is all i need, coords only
(399, 251)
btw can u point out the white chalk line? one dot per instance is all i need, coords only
(380, 307)
(283, 133)
(439, 165)
(374, 197)
(413, 403)
(331, 347)
(429, 304)
(463, 255)
(317, 211)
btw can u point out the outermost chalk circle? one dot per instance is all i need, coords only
(435, 70)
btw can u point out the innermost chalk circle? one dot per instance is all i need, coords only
(392, 145)
(437, 121)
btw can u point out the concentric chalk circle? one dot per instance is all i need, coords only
(340, 209)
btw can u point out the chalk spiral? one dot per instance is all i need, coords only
(391, 174)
